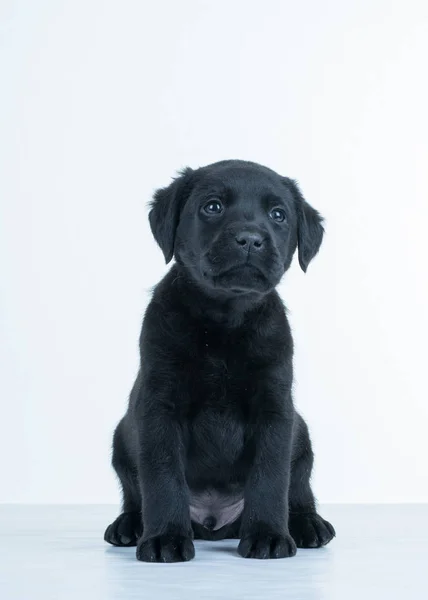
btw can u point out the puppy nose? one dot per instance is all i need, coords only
(249, 239)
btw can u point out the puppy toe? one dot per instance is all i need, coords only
(309, 530)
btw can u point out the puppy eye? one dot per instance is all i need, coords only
(277, 214)
(213, 207)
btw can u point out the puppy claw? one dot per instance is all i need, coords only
(125, 530)
(166, 549)
(310, 530)
(267, 546)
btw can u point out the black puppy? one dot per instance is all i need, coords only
(211, 446)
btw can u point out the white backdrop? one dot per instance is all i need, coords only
(100, 103)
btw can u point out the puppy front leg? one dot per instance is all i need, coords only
(167, 531)
(264, 530)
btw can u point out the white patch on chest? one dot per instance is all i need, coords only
(216, 509)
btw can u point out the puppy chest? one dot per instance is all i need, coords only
(216, 417)
(220, 374)
(215, 441)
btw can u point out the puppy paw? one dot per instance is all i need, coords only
(310, 530)
(125, 530)
(166, 548)
(267, 546)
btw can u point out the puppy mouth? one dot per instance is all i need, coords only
(240, 279)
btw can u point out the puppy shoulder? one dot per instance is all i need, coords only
(272, 340)
(165, 323)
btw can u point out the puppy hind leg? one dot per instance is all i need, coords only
(307, 527)
(128, 527)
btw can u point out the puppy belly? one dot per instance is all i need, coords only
(214, 510)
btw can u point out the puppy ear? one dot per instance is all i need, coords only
(309, 226)
(165, 211)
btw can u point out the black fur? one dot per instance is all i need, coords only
(211, 413)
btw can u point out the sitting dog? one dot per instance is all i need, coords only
(211, 446)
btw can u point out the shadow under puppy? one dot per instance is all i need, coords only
(211, 446)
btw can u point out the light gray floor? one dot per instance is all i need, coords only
(57, 552)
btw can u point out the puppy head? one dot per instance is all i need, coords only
(235, 225)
